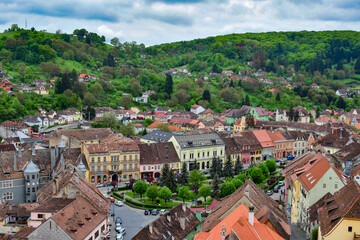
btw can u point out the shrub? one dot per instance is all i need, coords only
(138, 204)
(118, 195)
(314, 233)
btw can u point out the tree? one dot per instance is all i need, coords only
(196, 179)
(164, 173)
(152, 192)
(250, 121)
(264, 169)
(278, 97)
(226, 189)
(291, 114)
(170, 181)
(296, 116)
(115, 42)
(215, 187)
(206, 95)
(165, 194)
(247, 100)
(127, 130)
(340, 103)
(135, 87)
(164, 127)
(238, 166)
(183, 193)
(228, 168)
(256, 175)
(140, 187)
(90, 113)
(271, 165)
(169, 85)
(237, 182)
(109, 119)
(148, 122)
(315, 233)
(215, 167)
(96, 89)
(126, 101)
(62, 84)
(184, 175)
(204, 192)
(89, 99)
(357, 66)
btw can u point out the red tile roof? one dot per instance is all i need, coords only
(155, 124)
(276, 136)
(264, 138)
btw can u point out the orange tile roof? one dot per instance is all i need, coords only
(174, 128)
(357, 126)
(237, 222)
(264, 138)
(155, 124)
(276, 136)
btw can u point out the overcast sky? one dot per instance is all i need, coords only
(155, 22)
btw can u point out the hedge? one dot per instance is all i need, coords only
(138, 204)
(118, 195)
(122, 188)
(198, 206)
(274, 184)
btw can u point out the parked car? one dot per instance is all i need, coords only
(269, 192)
(119, 203)
(276, 188)
(155, 212)
(112, 212)
(111, 199)
(281, 183)
(147, 212)
(118, 227)
(99, 185)
(162, 211)
(121, 231)
(119, 237)
(118, 220)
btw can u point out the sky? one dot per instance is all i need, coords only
(162, 21)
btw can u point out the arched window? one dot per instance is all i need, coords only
(203, 165)
(92, 179)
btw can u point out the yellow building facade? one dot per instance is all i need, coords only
(342, 230)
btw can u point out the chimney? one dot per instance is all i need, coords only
(251, 215)
(341, 133)
(168, 217)
(53, 157)
(15, 162)
(223, 232)
(151, 228)
(33, 150)
(182, 223)
(148, 143)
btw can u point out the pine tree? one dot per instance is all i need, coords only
(278, 97)
(357, 66)
(215, 187)
(296, 116)
(184, 175)
(164, 173)
(247, 100)
(206, 95)
(228, 168)
(291, 114)
(238, 166)
(196, 165)
(250, 121)
(169, 85)
(170, 181)
(214, 168)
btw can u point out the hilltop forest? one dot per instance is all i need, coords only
(329, 58)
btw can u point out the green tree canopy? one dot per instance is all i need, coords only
(183, 193)
(140, 187)
(205, 191)
(165, 193)
(152, 192)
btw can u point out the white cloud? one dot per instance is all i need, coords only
(105, 30)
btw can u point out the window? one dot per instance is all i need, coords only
(8, 196)
(104, 168)
(124, 167)
(136, 157)
(330, 178)
(96, 234)
(124, 176)
(130, 166)
(203, 153)
(103, 228)
(184, 156)
(98, 168)
(92, 159)
(336, 186)
(198, 154)
(112, 158)
(98, 159)
(7, 184)
(130, 157)
(92, 169)
(144, 168)
(124, 158)
(33, 189)
(191, 155)
(324, 185)
(33, 176)
(221, 152)
(40, 215)
(149, 167)
(136, 166)
(349, 229)
(104, 159)
(92, 179)
(215, 153)
(172, 165)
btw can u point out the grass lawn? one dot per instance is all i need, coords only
(133, 195)
(162, 202)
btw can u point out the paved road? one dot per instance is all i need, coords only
(133, 220)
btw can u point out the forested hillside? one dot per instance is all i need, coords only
(258, 61)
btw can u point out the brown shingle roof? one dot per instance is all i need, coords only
(53, 205)
(7, 148)
(247, 139)
(182, 222)
(76, 213)
(86, 134)
(344, 203)
(113, 142)
(158, 153)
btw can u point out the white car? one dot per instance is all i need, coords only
(119, 203)
(118, 227)
(119, 237)
(162, 211)
(121, 231)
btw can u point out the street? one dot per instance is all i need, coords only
(133, 220)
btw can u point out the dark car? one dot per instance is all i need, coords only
(118, 220)
(276, 188)
(147, 212)
(155, 212)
